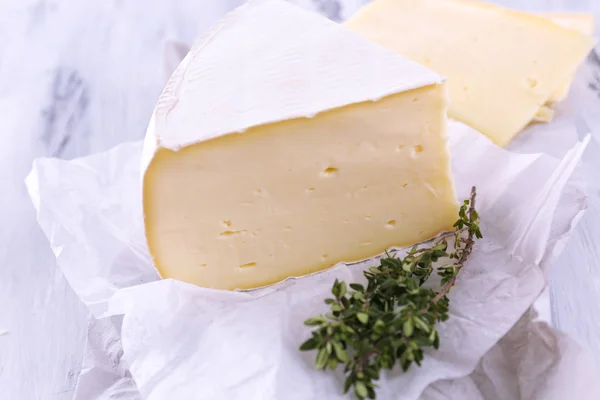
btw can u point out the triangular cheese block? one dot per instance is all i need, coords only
(285, 143)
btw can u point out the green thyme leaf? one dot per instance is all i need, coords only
(362, 317)
(361, 390)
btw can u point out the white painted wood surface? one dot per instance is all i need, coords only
(77, 77)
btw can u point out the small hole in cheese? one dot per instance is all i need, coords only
(532, 82)
(227, 223)
(309, 190)
(325, 256)
(418, 148)
(415, 99)
(368, 217)
(203, 265)
(391, 223)
(400, 147)
(231, 233)
(248, 265)
(404, 185)
(330, 171)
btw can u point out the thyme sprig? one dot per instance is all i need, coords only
(394, 318)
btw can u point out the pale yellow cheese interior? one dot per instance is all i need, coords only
(580, 22)
(290, 198)
(502, 65)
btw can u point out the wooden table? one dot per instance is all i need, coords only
(80, 77)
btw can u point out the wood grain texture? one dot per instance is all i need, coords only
(79, 77)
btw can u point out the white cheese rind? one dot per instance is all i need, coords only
(270, 61)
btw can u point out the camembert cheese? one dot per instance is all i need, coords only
(502, 65)
(285, 143)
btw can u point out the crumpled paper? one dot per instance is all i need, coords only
(167, 339)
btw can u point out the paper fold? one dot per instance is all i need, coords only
(182, 341)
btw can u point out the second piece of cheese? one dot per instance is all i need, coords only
(502, 65)
(582, 23)
(285, 143)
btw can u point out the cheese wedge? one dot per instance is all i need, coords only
(501, 65)
(284, 144)
(580, 22)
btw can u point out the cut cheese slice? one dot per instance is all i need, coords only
(580, 22)
(501, 65)
(285, 143)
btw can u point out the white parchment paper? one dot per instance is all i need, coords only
(159, 339)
